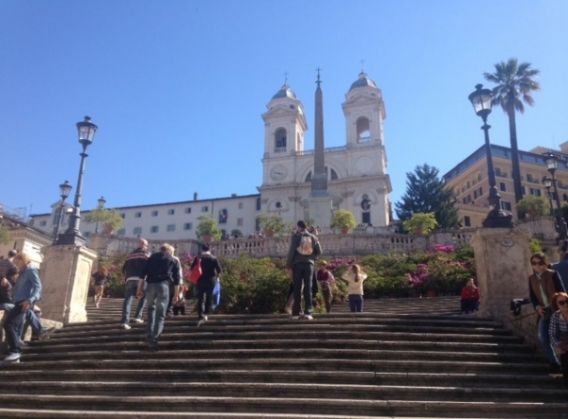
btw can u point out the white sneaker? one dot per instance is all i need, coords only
(205, 318)
(126, 326)
(200, 322)
(139, 321)
(308, 317)
(13, 357)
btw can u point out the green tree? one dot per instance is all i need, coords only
(421, 223)
(425, 193)
(109, 218)
(271, 224)
(207, 229)
(513, 85)
(343, 220)
(532, 207)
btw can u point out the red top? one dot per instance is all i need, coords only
(470, 293)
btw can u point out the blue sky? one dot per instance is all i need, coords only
(177, 87)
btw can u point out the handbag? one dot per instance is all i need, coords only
(196, 272)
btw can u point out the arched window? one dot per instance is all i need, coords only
(280, 140)
(363, 130)
(331, 175)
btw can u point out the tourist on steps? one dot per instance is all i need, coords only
(211, 269)
(558, 332)
(132, 271)
(354, 276)
(326, 280)
(100, 278)
(543, 284)
(304, 249)
(26, 292)
(469, 297)
(160, 271)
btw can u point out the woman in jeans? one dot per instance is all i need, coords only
(559, 332)
(355, 277)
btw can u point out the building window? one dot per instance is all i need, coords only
(506, 205)
(223, 215)
(187, 226)
(535, 192)
(138, 214)
(43, 223)
(122, 215)
(258, 204)
(467, 221)
(171, 227)
(239, 222)
(154, 229)
(121, 232)
(188, 210)
(155, 213)
(240, 205)
(171, 211)
(137, 231)
(502, 187)
(280, 140)
(278, 204)
(205, 208)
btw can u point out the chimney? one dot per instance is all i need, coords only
(195, 196)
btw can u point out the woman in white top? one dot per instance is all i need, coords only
(355, 277)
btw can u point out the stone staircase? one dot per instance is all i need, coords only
(401, 358)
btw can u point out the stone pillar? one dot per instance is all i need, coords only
(65, 274)
(502, 262)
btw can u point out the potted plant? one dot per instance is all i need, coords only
(109, 218)
(421, 223)
(207, 229)
(271, 224)
(344, 220)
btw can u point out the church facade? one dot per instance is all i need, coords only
(355, 175)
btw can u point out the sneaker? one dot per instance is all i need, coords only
(200, 322)
(205, 318)
(13, 357)
(125, 326)
(308, 317)
(139, 321)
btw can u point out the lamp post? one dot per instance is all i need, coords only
(100, 205)
(64, 191)
(551, 161)
(547, 182)
(86, 130)
(481, 101)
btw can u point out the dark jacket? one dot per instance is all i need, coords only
(161, 267)
(210, 266)
(135, 264)
(551, 285)
(295, 257)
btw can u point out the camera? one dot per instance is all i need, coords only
(517, 303)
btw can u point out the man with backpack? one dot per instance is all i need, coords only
(304, 249)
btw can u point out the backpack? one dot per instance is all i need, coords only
(306, 246)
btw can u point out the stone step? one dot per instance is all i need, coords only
(291, 390)
(269, 405)
(338, 364)
(471, 379)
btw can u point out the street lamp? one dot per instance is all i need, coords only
(64, 191)
(551, 161)
(547, 182)
(481, 101)
(86, 130)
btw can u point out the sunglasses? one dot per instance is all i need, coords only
(563, 302)
(537, 263)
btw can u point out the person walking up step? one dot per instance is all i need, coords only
(160, 271)
(211, 269)
(304, 249)
(132, 271)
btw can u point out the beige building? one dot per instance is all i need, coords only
(470, 183)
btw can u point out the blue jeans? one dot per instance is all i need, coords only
(544, 339)
(355, 303)
(129, 294)
(302, 274)
(14, 326)
(157, 296)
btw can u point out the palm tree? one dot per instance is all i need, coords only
(514, 85)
